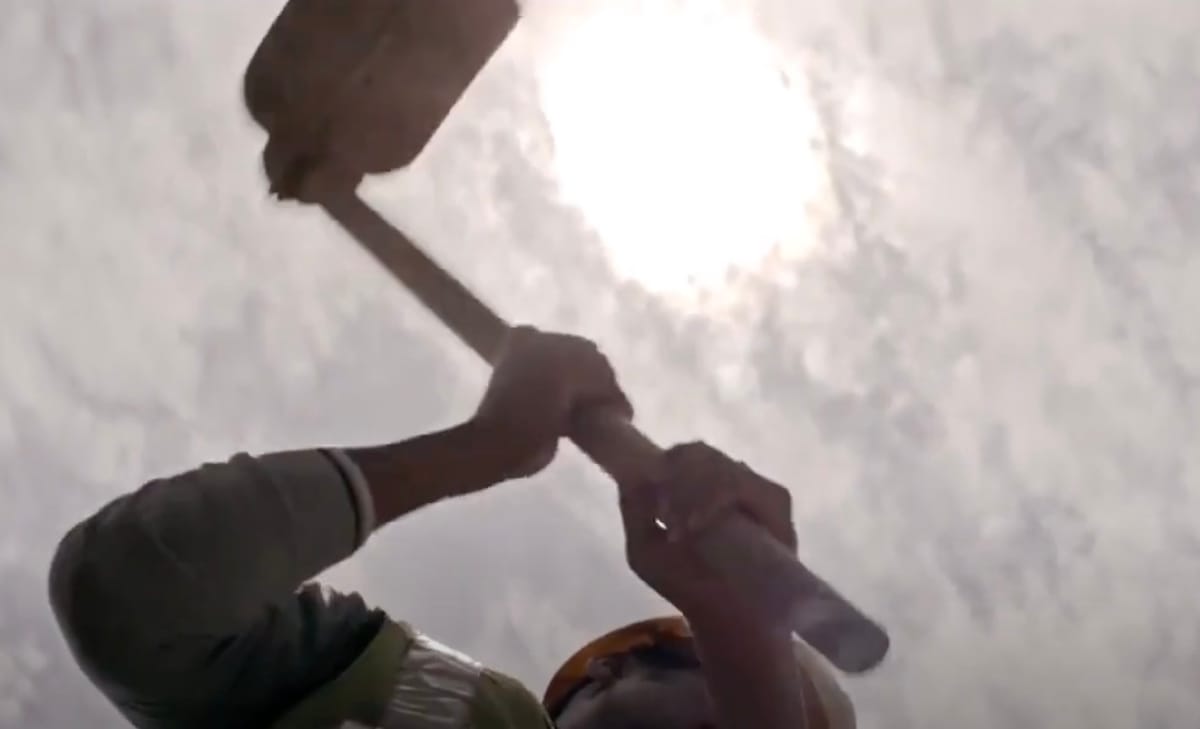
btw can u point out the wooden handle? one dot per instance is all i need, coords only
(737, 548)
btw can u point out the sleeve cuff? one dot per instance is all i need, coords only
(360, 494)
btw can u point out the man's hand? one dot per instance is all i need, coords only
(748, 662)
(539, 382)
(696, 486)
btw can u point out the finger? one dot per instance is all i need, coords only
(518, 337)
(639, 503)
(522, 332)
(687, 487)
(704, 514)
(576, 343)
(706, 485)
(565, 347)
(641, 510)
(538, 461)
(514, 348)
(577, 354)
(763, 500)
(601, 389)
(768, 503)
(593, 380)
(692, 459)
(717, 500)
(701, 480)
(671, 567)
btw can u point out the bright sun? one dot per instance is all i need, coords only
(678, 136)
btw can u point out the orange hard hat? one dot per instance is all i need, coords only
(637, 635)
(839, 712)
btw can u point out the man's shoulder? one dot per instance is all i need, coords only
(362, 691)
(504, 701)
(404, 678)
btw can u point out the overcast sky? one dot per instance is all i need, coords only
(932, 264)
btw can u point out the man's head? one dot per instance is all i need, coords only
(647, 675)
(656, 686)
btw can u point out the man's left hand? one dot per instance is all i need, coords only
(697, 486)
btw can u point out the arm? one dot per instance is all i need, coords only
(757, 677)
(180, 599)
(181, 602)
(403, 477)
(186, 589)
(538, 383)
(754, 677)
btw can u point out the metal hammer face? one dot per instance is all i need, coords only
(362, 85)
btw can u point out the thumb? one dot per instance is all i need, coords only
(536, 462)
(641, 505)
(768, 503)
(593, 380)
(600, 388)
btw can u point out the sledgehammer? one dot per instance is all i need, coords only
(347, 88)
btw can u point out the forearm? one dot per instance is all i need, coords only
(403, 477)
(753, 676)
(209, 549)
(186, 589)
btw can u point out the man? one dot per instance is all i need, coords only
(183, 601)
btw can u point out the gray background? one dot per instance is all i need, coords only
(978, 370)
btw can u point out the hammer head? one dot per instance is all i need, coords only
(360, 86)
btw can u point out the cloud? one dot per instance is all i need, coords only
(982, 392)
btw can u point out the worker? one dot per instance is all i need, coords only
(188, 602)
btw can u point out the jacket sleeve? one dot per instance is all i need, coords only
(183, 601)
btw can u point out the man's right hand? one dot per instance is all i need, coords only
(696, 486)
(748, 661)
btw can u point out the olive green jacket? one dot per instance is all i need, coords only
(189, 604)
(405, 681)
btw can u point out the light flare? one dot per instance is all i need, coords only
(682, 141)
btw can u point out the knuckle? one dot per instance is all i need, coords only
(522, 332)
(576, 344)
(776, 490)
(583, 343)
(683, 452)
(634, 561)
(783, 501)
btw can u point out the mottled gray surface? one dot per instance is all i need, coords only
(974, 357)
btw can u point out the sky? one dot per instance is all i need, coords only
(932, 265)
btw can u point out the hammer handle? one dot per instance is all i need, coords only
(736, 548)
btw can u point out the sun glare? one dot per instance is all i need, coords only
(681, 140)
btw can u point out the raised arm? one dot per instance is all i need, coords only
(757, 676)
(182, 601)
